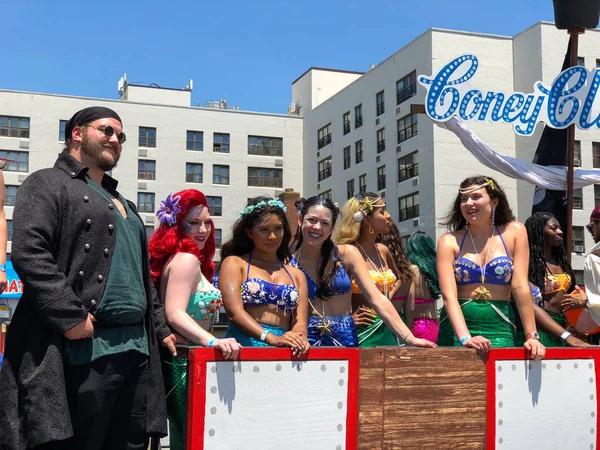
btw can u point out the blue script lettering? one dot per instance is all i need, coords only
(569, 99)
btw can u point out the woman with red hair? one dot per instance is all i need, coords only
(181, 252)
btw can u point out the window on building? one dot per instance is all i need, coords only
(62, 124)
(578, 198)
(325, 195)
(10, 195)
(218, 237)
(347, 157)
(380, 178)
(194, 172)
(597, 62)
(215, 204)
(221, 142)
(406, 87)
(581, 61)
(578, 240)
(149, 231)
(325, 168)
(358, 150)
(146, 169)
(596, 155)
(350, 188)
(262, 177)
(380, 99)
(346, 122)
(195, 141)
(324, 136)
(9, 226)
(407, 127)
(408, 166)
(265, 146)
(408, 206)
(220, 174)
(362, 183)
(380, 140)
(358, 116)
(145, 202)
(596, 194)
(14, 126)
(147, 137)
(577, 159)
(19, 161)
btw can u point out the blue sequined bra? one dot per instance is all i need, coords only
(498, 271)
(340, 285)
(256, 291)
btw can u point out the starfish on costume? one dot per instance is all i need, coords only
(325, 327)
(482, 293)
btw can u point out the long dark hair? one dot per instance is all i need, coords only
(537, 243)
(420, 250)
(393, 240)
(241, 244)
(454, 220)
(330, 255)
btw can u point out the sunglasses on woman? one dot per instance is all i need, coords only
(109, 131)
(589, 226)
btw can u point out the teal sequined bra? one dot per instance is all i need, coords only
(206, 303)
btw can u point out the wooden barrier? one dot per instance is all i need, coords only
(396, 398)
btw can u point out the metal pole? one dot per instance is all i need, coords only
(574, 32)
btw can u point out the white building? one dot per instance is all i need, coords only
(228, 154)
(359, 133)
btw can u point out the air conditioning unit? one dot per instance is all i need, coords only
(398, 148)
(24, 145)
(382, 195)
(142, 152)
(416, 182)
(142, 186)
(578, 248)
(279, 162)
(22, 178)
(378, 158)
(577, 162)
(416, 222)
(377, 121)
(397, 109)
(149, 219)
(292, 108)
(577, 204)
(318, 154)
(318, 186)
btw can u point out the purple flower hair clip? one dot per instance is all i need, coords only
(169, 208)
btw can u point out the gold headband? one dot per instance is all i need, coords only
(468, 190)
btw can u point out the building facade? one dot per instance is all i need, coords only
(228, 154)
(360, 135)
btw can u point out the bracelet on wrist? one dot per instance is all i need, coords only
(263, 336)
(211, 342)
(565, 336)
(464, 339)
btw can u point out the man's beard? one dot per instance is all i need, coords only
(96, 152)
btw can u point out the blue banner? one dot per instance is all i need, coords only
(14, 287)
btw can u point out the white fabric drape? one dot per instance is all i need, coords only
(553, 177)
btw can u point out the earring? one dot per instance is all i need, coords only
(493, 217)
(371, 230)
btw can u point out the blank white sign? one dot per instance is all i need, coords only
(276, 405)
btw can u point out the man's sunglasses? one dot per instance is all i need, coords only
(109, 131)
(589, 226)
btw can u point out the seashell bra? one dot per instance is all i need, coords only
(206, 303)
(256, 291)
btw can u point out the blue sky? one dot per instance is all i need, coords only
(246, 52)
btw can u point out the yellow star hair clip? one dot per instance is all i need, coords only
(491, 184)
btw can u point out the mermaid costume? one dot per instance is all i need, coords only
(330, 330)
(203, 305)
(492, 319)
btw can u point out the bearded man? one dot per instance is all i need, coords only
(81, 368)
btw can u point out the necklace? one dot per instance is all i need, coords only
(482, 292)
(374, 266)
